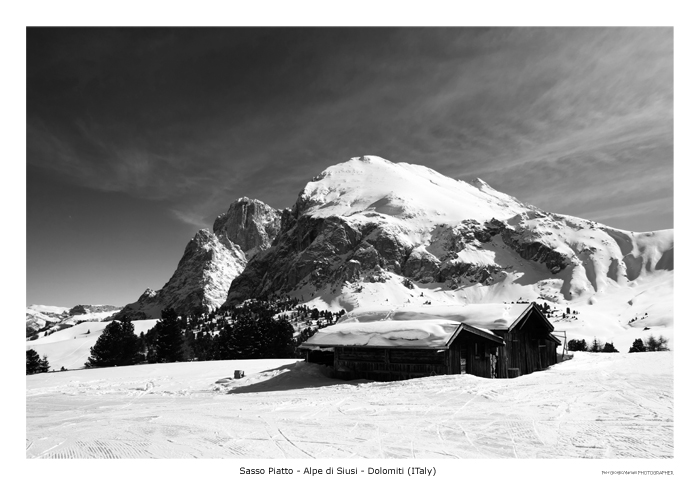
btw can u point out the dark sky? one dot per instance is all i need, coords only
(138, 137)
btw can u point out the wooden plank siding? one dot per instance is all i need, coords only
(386, 364)
(477, 353)
(401, 363)
(527, 348)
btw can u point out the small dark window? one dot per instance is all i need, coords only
(479, 350)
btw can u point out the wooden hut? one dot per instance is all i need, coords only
(486, 340)
(397, 350)
(529, 344)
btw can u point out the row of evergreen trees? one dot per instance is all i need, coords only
(596, 346)
(638, 346)
(252, 332)
(651, 344)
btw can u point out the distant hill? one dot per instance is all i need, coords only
(49, 319)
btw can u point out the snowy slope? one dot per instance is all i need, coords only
(372, 187)
(599, 406)
(70, 347)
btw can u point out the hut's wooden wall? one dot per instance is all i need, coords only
(528, 349)
(388, 363)
(477, 354)
(468, 354)
(522, 352)
(549, 353)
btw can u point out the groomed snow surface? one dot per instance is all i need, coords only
(594, 406)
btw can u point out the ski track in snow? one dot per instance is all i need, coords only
(594, 406)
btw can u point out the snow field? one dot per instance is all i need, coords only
(602, 406)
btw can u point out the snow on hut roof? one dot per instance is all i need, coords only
(482, 316)
(426, 333)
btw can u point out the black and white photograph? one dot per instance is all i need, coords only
(384, 247)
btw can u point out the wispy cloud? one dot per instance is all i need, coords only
(561, 117)
(661, 206)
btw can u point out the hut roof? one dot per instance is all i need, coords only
(426, 333)
(499, 317)
(433, 333)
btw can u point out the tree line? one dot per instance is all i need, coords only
(254, 329)
(651, 344)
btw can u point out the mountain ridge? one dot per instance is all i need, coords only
(366, 218)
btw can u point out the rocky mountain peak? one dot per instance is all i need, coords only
(479, 183)
(250, 224)
(148, 294)
(210, 262)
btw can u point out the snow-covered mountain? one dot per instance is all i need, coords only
(38, 316)
(54, 318)
(372, 231)
(211, 261)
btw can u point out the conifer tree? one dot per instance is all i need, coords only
(609, 348)
(595, 346)
(637, 346)
(663, 343)
(44, 365)
(577, 345)
(652, 344)
(34, 362)
(225, 347)
(116, 346)
(169, 340)
(278, 339)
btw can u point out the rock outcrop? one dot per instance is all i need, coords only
(211, 261)
(249, 224)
